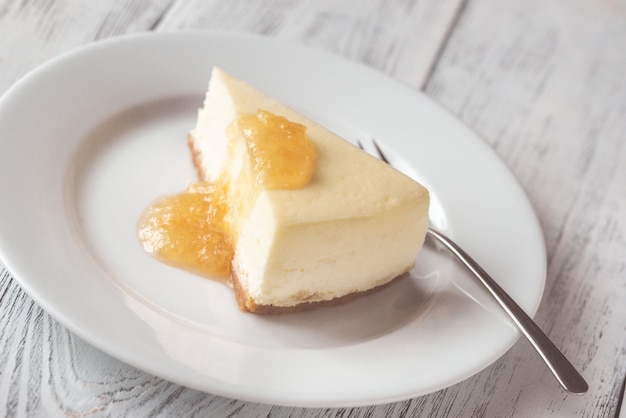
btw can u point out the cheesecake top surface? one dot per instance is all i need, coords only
(347, 182)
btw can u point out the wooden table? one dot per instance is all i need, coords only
(544, 83)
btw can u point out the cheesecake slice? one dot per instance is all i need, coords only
(350, 224)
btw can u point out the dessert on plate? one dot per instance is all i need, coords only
(294, 215)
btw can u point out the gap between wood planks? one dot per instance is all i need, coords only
(430, 70)
(620, 399)
(444, 42)
(160, 17)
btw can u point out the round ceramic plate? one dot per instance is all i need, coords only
(92, 137)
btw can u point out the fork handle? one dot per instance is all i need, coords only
(561, 368)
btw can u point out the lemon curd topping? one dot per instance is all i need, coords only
(192, 229)
(282, 156)
(187, 230)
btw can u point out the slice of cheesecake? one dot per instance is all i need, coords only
(353, 225)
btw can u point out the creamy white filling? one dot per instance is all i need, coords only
(284, 265)
(213, 119)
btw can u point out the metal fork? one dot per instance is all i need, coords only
(561, 368)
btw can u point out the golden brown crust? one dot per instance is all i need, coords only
(247, 304)
(195, 156)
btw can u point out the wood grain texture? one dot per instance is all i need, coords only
(398, 37)
(33, 32)
(542, 82)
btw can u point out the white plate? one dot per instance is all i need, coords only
(90, 138)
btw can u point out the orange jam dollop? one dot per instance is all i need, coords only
(192, 230)
(282, 155)
(188, 230)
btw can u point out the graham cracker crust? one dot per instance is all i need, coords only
(195, 156)
(247, 304)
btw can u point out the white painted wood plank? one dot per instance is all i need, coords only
(543, 83)
(398, 37)
(33, 32)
